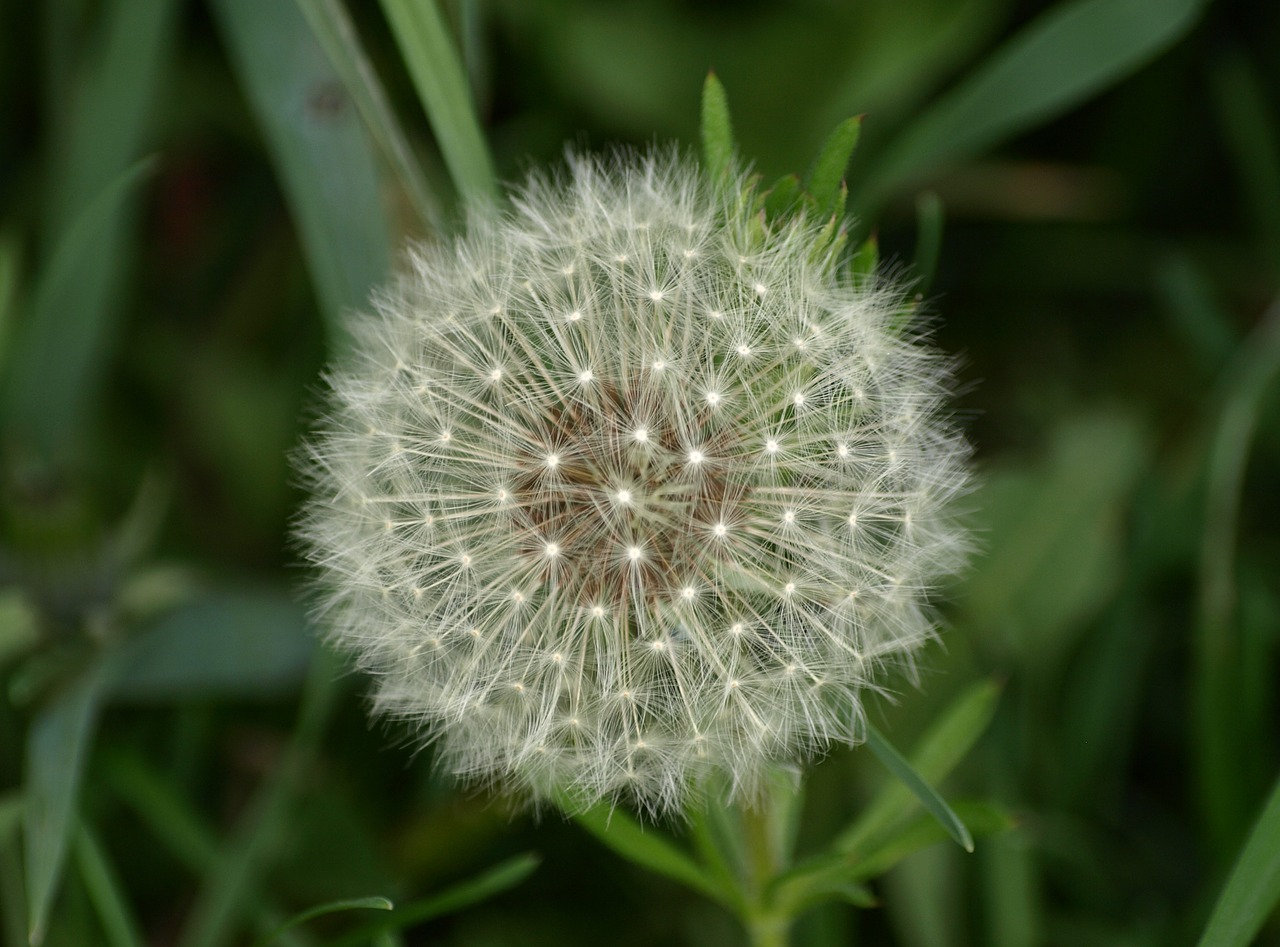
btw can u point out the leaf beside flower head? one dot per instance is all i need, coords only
(826, 174)
(717, 129)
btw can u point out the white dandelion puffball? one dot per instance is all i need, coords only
(625, 489)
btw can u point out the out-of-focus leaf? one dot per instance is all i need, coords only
(1009, 889)
(1196, 312)
(1252, 892)
(1051, 534)
(433, 61)
(943, 746)
(10, 278)
(10, 815)
(929, 222)
(57, 745)
(105, 892)
(337, 34)
(332, 907)
(59, 347)
(494, 881)
(321, 150)
(227, 644)
(717, 128)
(650, 850)
(782, 195)
(827, 173)
(18, 624)
(897, 764)
(1069, 53)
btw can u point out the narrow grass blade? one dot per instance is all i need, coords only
(929, 224)
(434, 64)
(827, 173)
(1252, 891)
(494, 881)
(337, 34)
(332, 907)
(1247, 378)
(59, 348)
(650, 850)
(57, 745)
(945, 744)
(10, 815)
(323, 154)
(929, 798)
(1069, 53)
(103, 887)
(717, 129)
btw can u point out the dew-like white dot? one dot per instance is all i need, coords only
(446, 437)
(789, 517)
(714, 398)
(688, 592)
(744, 350)
(586, 377)
(623, 497)
(771, 446)
(597, 611)
(635, 553)
(552, 461)
(736, 629)
(789, 588)
(574, 316)
(690, 253)
(658, 365)
(798, 398)
(517, 597)
(720, 529)
(696, 457)
(842, 450)
(659, 646)
(853, 519)
(656, 295)
(760, 289)
(551, 550)
(715, 314)
(495, 375)
(640, 435)
(558, 658)
(465, 559)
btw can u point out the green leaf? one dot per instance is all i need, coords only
(1252, 891)
(939, 751)
(494, 881)
(827, 173)
(782, 196)
(842, 874)
(929, 798)
(321, 150)
(929, 222)
(1071, 52)
(10, 815)
(332, 907)
(649, 849)
(229, 643)
(865, 259)
(103, 887)
(337, 34)
(429, 52)
(717, 129)
(19, 628)
(57, 745)
(60, 345)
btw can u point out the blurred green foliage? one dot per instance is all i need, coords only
(191, 193)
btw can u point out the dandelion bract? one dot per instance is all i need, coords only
(626, 488)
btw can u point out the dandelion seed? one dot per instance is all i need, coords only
(597, 506)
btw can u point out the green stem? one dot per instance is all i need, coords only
(766, 925)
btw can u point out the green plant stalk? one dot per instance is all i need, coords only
(767, 925)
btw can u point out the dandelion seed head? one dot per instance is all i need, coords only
(617, 494)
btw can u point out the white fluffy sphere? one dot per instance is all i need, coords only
(624, 488)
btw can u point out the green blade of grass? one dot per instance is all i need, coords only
(428, 51)
(332, 907)
(945, 744)
(57, 745)
(1252, 891)
(929, 223)
(827, 173)
(1246, 380)
(495, 880)
(337, 34)
(897, 764)
(104, 891)
(618, 831)
(1066, 55)
(321, 150)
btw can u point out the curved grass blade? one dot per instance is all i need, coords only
(627, 837)
(103, 887)
(929, 223)
(928, 796)
(374, 903)
(497, 879)
(57, 745)
(1252, 891)
(434, 64)
(941, 749)
(1066, 55)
